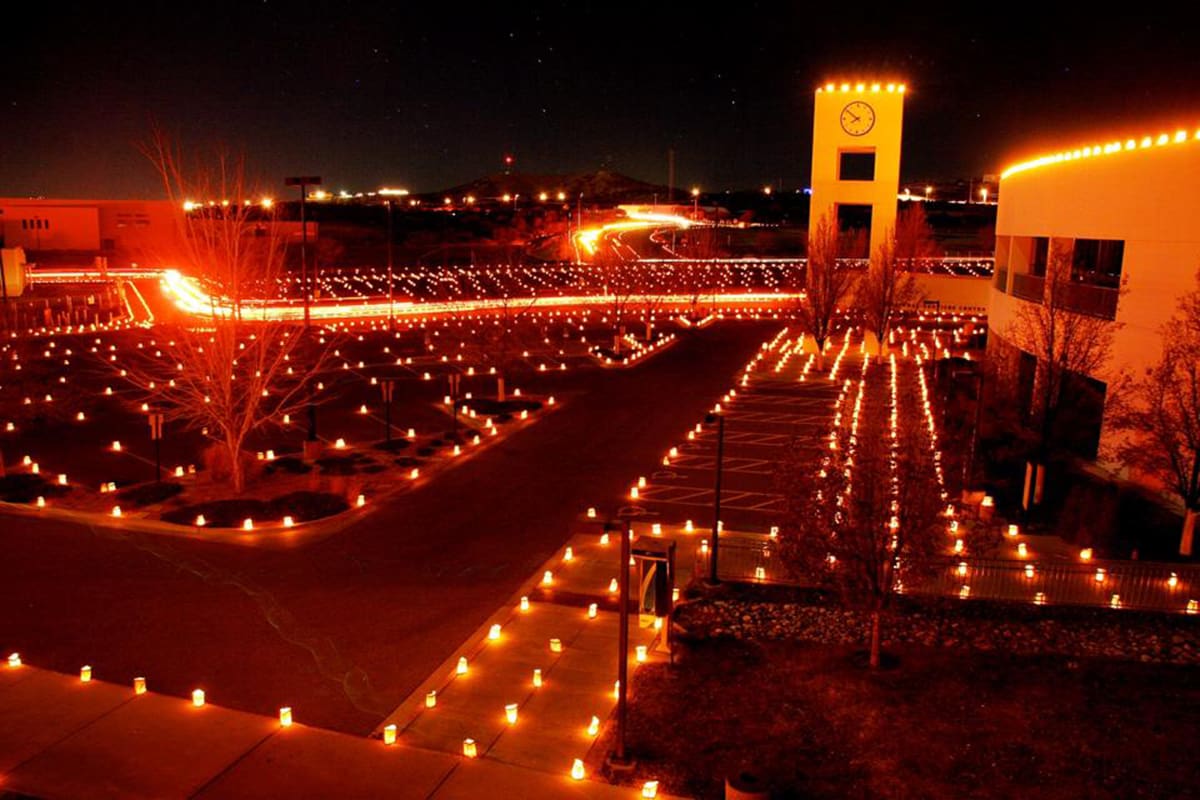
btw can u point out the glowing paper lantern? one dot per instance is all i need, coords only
(14, 659)
(556, 645)
(547, 578)
(389, 735)
(494, 631)
(592, 609)
(650, 789)
(85, 674)
(198, 697)
(641, 653)
(537, 678)
(524, 603)
(577, 769)
(510, 713)
(461, 669)
(285, 717)
(469, 749)
(139, 685)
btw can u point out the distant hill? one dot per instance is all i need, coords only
(600, 186)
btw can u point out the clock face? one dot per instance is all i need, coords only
(857, 118)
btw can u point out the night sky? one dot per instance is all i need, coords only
(428, 95)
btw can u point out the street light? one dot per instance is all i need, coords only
(304, 182)
(928, 191)
(713, 580)
(391, 298)
(695, 202)
(983, 193)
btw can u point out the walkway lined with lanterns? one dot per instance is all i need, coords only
(62, 736)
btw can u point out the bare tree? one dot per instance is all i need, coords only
(914, 238)
(884, 289)
(869, 517)
(1161, 423)
(826, 285)
(221, 373)
(228, 379)
(499, 339)
(619, 282)
(1069, 346)
(227, 232)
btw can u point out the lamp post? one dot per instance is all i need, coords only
(620, 759)
(695, 202)
(391, 296)
(713, 580)
(304, 182)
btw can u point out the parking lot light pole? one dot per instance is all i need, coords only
(620, 759)
(304, 182)
(713, 580)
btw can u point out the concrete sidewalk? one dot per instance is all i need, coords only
(62, 738)
(577, 680)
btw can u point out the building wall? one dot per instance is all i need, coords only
(128, 230)
(1148, 198)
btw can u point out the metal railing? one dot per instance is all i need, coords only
(1028, 287)
(1096, 301)
(1149, 586)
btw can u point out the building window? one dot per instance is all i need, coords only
(856, 165)
(1039, 255)
(854, 230)
(1098, 262)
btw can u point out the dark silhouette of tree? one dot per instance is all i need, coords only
(1068, 346)
(865, 515)
(885, 289)
(234, 370)
(826, 284)
(1161, 422)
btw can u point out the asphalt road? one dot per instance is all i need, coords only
(345, 628)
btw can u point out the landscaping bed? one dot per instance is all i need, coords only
(943, 724)
(300, 506)
(764, 613)
(25, 487)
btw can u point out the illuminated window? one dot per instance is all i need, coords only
(1098, 262)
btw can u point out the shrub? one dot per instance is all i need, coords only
(392, 446)
(25, 487)
(149, 494)
(300, 506)
(289, 464)
(337, 465)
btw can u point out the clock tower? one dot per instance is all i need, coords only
(857, 131)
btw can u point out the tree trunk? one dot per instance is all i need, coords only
(500, 387)
(236, 473)
(649, 331)
(1187, 540)
(875, 639)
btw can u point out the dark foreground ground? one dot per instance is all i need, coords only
(939, 725)
(344, 628)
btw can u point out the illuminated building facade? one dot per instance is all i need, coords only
(1120, 220)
